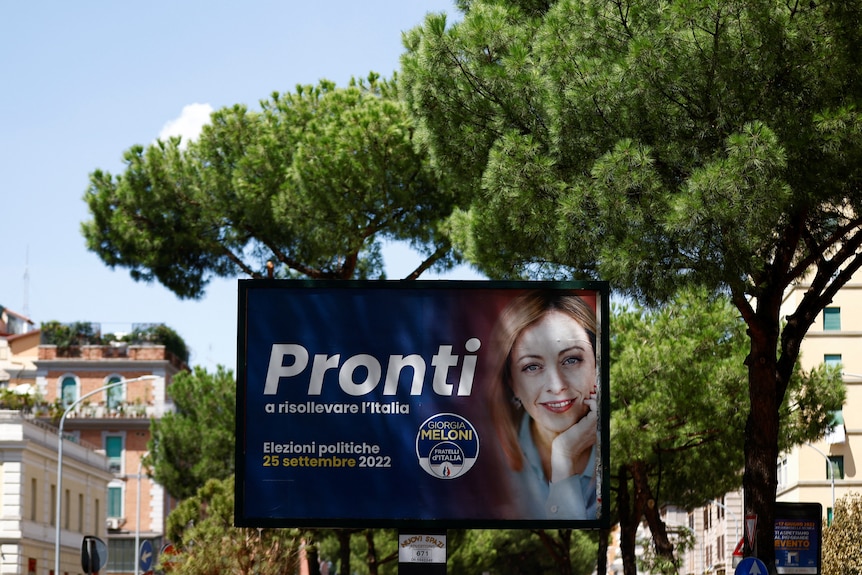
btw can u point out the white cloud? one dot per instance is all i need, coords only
(190, 123)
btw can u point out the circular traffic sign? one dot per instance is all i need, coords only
(145, 555)
(750, 566)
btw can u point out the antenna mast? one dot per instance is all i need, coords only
(25, 309)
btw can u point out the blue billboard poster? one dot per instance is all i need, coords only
(435, 404)
(798, 536)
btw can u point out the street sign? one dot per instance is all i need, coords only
(94, 554)
(145, 555)
(168, 551)
(751, 566)
(751, 529)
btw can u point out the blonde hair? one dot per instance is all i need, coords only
(520, 314)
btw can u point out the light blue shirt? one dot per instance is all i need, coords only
(570, 498)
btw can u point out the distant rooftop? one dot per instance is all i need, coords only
(12, 323)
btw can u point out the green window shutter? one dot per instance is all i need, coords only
(114, 451)
(836, 462)
(69, 391)
(115, 501)
(832, 359)
(832, 319)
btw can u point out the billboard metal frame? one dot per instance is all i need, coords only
(259, 313)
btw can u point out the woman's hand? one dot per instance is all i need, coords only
(570, 450)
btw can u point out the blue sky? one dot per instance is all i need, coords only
(83, 81)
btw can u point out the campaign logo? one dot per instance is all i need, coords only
(447, 445)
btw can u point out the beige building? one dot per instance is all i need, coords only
(804, 474)
(28, 474)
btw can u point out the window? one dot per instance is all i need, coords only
(832, 359)
(115, 501)
(69, 390)
(98, 516)
(115, 395)
(121, 555)
(66, 509)
(832, 319)
(33, 499)
(53, 507)
(80, 512)
(719, 548)
(836, 462)
(114, 451)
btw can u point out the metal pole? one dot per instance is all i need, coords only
(831, 472)
(735, 521)
(138, 517)
(59, 496)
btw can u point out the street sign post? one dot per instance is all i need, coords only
(145, 556)
(94, 554)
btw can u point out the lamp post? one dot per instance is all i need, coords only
(138, 515)
(735, 517)
(59, 497)
(831, 472)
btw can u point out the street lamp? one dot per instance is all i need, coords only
(735, 516)
(66, 412)
(138, 515)
(831, 472)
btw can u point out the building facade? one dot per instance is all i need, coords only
(28, 475)
(824, 471)
(116, 420)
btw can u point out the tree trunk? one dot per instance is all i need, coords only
(628, 524)
(645, 502)
(371, 556)
(560, 550)
(312, 558)
(760, 479)
(343, 536)
(602, 559)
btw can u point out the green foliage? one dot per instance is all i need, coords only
(629, 144)
(842, 554)
(196, 443)
(66, 335)
(312, 182)
(519, 552)
(677, 401)
(160, 334)
(371, 550)
(808, 408)
(683, 540)
(201, 528)
(9, 399)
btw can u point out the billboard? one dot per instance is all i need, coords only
(798, 538)
(439, 403)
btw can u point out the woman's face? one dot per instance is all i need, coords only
(553, 370)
